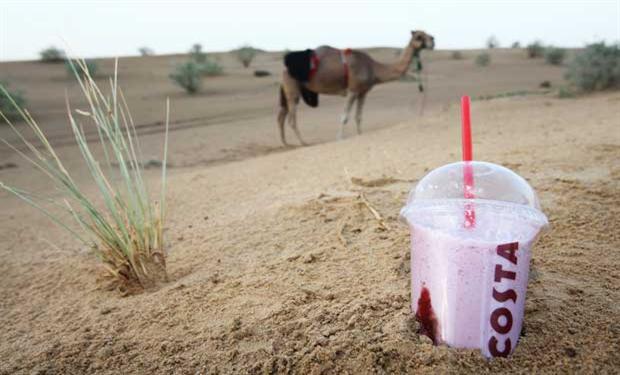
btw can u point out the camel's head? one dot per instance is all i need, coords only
(421, 40)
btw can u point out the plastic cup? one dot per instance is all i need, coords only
(468, 284)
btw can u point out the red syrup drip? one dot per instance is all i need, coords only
(426, 316)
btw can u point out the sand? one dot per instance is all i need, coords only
(278, 265)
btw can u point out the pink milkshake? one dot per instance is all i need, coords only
(469, 283)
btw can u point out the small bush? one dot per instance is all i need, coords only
(535, 50)
(456, 55)
(492, 42)
(597, 67)
(245, 55)
(566, 93)
(197, 55)
(90, 66)
(7, 107)
(52, 55)
(211, 68)
(188, 75)
(516, 45)
(146, 51)
(483, 59)
(554, 55)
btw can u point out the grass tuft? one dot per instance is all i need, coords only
(146, 51)
(554, 55)
(566, 92)
(7, 98)
(535, 50)
(125, 229)
(197, 55)
(52, 55)
(245, 55)
(492, 42)
(483, 59)
(188, 75)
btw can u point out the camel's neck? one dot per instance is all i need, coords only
(392, 72)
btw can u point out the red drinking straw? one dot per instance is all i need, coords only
(468, 171)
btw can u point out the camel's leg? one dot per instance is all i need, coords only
(283, 106)
(345, 116)
(281, 121)
(292, 95)
(358, 112)
(292, 120)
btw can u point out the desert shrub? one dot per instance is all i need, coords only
(146, 51)
(566, 92)
(10, 101)
(535, 50)
(515, 45)
(483, 59)
(123, 225)
(211, 68)
(597, 67)
(52, 55)
(492, 42)
(188, 75)
(245, 55)
(90, 66)
(197, 55)
(456, 55)
(554, 55)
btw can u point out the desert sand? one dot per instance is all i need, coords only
(276, 264)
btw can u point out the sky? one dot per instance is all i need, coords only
(94, 28)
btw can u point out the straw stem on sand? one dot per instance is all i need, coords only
(373, 211)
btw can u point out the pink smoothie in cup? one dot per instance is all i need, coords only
(469, 283)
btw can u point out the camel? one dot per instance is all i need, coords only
(349, 73)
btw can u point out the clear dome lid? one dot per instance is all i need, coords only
(493, 187)
(491, 182)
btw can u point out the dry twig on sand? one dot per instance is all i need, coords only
(373, 211)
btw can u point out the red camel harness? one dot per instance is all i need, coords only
(344, 53)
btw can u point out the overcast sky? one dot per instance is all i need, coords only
(116, 28)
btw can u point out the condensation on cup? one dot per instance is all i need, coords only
(469, 281)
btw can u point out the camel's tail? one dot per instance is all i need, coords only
(310, 97)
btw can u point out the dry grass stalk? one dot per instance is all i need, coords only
(373, 211)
